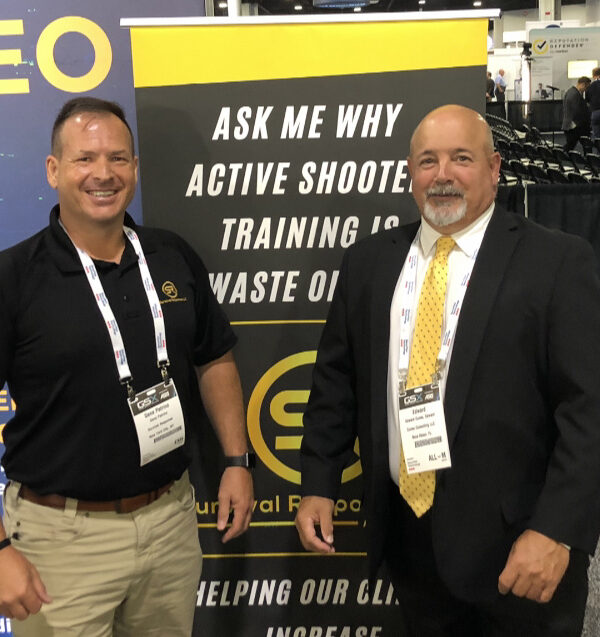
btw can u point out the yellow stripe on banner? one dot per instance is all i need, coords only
(11, 27)
(14, 87)
(10, 56)
(173, 56)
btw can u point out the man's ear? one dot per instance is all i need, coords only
(52, 171)
(495, 163)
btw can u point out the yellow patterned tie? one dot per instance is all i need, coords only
(418, 488)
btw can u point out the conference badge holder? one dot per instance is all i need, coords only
(158, 418)
(423, 427)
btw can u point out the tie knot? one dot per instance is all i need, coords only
(444, 246)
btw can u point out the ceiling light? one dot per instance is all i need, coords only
(342, 4)
(222, 5)
(298, 7)
(477, 3)
(357, 9)
(421, 1)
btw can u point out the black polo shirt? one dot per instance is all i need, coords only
(72, 432)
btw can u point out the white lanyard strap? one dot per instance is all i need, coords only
(110, 321)
(408, 290)
(157, 315)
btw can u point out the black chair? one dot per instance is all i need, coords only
(538, 139)
(538, 174)
(597, 144)
(548, 157)
(576, 178)
(532, 153)
(564, 161)
(580, 162)
(503, 148)
(501, 127)
(518, 151)
(524, 128)
(520, 171)
(557, 176)
(507, 175)
(498, 134)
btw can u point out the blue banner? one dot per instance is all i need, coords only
(49, 53)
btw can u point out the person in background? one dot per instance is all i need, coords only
(462, 351)
(110, 340)
(489, 87)
(576, 113)
(500, 90)
(541, 93)
(592, 97)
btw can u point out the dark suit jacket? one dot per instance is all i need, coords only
(592, 95)
(575, 110)
(522, 399)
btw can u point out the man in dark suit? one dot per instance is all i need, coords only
(576, 113)
(592, 97)
(501, 546)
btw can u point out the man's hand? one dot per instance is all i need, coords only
(534, 568)
(235, 492)
(315, 510)
(22, 591)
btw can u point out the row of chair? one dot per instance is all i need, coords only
(515, 172)
(527, 157)
(555, 158)
(502, 128)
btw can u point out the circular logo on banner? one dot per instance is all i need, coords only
(275, 414)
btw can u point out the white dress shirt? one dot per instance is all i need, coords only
(468, 242)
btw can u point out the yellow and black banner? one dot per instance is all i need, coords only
(272, 147)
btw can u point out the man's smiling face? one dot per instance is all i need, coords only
(454, 168)
(93, 169)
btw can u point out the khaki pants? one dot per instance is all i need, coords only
(109, 574)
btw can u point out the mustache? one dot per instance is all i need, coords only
(444, 190)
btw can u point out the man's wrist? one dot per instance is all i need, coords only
(246, 460)
(565, 545)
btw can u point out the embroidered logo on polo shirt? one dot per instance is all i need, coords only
(169, 290)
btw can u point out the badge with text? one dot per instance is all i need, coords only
(423, 429)
(158, 420)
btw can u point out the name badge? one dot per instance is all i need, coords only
(423, 429)
(158, 421)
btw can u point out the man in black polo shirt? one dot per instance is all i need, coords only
(110, 336)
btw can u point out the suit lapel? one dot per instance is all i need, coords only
(499, 242)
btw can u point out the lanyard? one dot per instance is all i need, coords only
(408, 289)
(110, 321)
